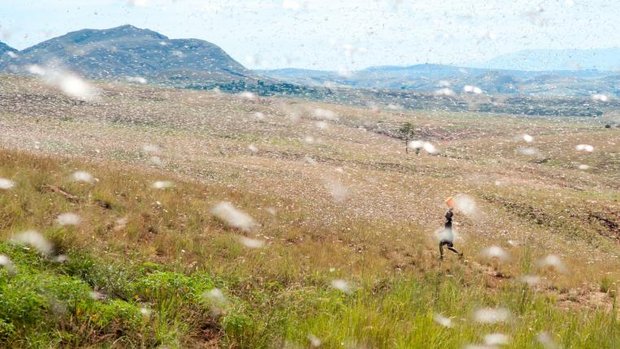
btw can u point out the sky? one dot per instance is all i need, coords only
(333, 34)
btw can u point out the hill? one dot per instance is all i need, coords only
(127, 51)
(141, 55)
(336, 239)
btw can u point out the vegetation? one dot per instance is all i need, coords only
(354, 267)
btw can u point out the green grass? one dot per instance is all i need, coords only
(150, 303)
(155, 269)
(47, 304)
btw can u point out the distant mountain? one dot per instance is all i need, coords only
(142, 54)
(569, 59)
(127, 51)
(434, 77)
(300, 76)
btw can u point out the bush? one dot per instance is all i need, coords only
(111, 279)
(161, 285)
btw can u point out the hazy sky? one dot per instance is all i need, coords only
(333, 34)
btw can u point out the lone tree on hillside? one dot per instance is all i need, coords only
(407, 132)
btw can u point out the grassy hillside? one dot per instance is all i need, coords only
(345, 223)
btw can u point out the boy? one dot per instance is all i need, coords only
(447, 237)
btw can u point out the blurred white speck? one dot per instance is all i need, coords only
(248, 95)
(446, 234)
(324, 114)
(253, 60)
(416, 144)
(315, 342)
(342, 285)
(61, 258)
(427, 146)
(309, 160)
(528, 138)
(492, 315)
(83, 176)
(545, 339)
(216, 300)
(259, 116)
(496, 339)
(34, 239)
(151, 149)
(534, 15)
(74, 86)
(430, 148)
(272, 211)
(472, 89)
(146, 312)
(442, 320)
(136, 79)
(466, 204)
(496, 252)
(479, 346)
(552, 261)
(251, 243)
(600, 98)
(98, 296)
(162, 184)
(321, 124)
(35, 70)
(530, 280)
(584, 147)
(216, 297)
(309, 139)
(6, 184)
(68, 219)
(344, 72)
(583, 167)
(120, 224)
(6, 263)
(233, 217)
(252, 148)
(529, 151)
(12, 54)
(156, 160)
(444, 92)
(337, 190)
(69, 83)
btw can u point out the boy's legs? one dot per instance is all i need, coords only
(441, 244)
(450, 247)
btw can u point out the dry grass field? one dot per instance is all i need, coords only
(342, 246)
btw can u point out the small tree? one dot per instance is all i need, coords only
(407, 132)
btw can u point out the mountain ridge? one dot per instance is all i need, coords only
(433, 78)
(127, 51)
(4, 48)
